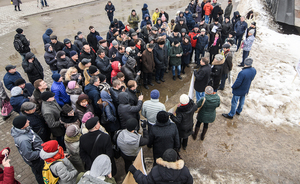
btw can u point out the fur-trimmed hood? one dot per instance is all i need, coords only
(178, 165)
(216, 62)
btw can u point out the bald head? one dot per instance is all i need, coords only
(87, 48)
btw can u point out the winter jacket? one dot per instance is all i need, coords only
(28, 144)
(90, 55)
(166, 15)
(129, 71)
(165, 172)
(152, 36)
(72, 146)
(148, 63)
(190, 22)
(103, 146)
(248, 43)
(226, 29)
(63, 169)
(207, 113)
(57, 46)
(227, 66)
(111, 52)
(163, 136)
(50, 57)
(144, 22)
(17, 101)
(216, 73)
(192, 34)
(133, 99)
(160, 57)
(172, 38)
(94, 95)
(218, 29)
(104, 66)
(199, 13)
(64, 63)
(92, 40)
(46, 36)
(240, 28)
(228, 10)
(24, 41)
(145, 10)
(34, 70)
(61, 95)
(74, 94)
(9, 79)
(154, 17)
(151, 108)
(180, 16)
(208, 8)
(79, 42)
(184, 119)
(88, 179)
(204, 26)
(215, 11)
(202, 77)
(51, 113)
(110, 111)
(215, 49)
(174, 60)
(180, 27)
(242, 84)
(127, 111)
(202, 42)
(119, 25)
(158, 24)
(236, 17)
(119, 57)
(130, 143)
(133, 21)
(187, 50)
(115, 69)
(7, 174)
(110, 8)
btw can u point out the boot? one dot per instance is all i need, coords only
(203, 134)
(196, 132)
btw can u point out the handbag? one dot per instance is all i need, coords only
(201, 105)
(116, 149)
(6, 108)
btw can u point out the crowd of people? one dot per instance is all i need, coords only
(90, 115)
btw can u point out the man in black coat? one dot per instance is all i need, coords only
(87, 53)
(226, 29)
(163, 135)
(227, 66)
(202, 78)
(117, 24)
(131, 90)
(115, 90)
(25, 42)
(95, 143)
(91, 38)
(160, 54)
(110, 8)
(32, 67)
(56, 45)
(104, 64)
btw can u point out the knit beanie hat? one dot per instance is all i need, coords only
(131, 124)
(114, 43)
(19, 81)
(19, 121)
(131, 44)
(27, 106)
(154, 94)
(66, 40)
(66, 109)
(82, 97)
(15, 91)
(85, 61)
(170, 155)
(71, 84)
(19, 30)
(176, 42)
(209, 90)
(50, 146)
(46, 95)
(72, 130)
(79, 33)
(56, 77)
(60, 53)
(184, 99)
(73, 53)
(162, 117)
(91, 123)
(87, 116)
(248, 61)
(93, 69)
(101, 77)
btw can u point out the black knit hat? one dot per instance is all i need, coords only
(46, 95)
(93, 69)
(131, 124)
(170, 155)
(66, 109)
(19, 30)
(19, 121)
(91, 123)
(60, 53)
(131, 44)
(19, 81)
(162, 117)
(101, 77)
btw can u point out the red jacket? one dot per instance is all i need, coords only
(208, 8)
(7, 176)
(115, 68)
(191, 35)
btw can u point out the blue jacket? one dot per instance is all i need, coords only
(202, 42)
(61, 95)
(242, 84)
(110, 8)
(46, 36)
(240, 28)
(94, 95)
(17, 101)
(145, 10)
(9, 79)
(144, 22)
(190, 22)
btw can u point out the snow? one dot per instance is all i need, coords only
(273, 97)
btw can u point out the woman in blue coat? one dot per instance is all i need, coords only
(187, 50)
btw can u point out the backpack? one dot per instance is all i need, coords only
(18, 45)
(48, 176)
(163, 18)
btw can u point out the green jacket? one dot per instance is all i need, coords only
(174, 60)
(133, 21)
(207, 114)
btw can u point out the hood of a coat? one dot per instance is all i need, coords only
(90, 87)
(29, 55)
(15, 132)
(147, 15)
(216, 62)
(101, 166)
(123, 98)
(145, 6)
(131, 62)
(236, 13)
(46, 47)
(44, 155)
(129, 137)
(212, 98)
(49, 31)
(115, 66)
(178, 165)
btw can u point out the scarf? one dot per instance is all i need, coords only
(138, 46)
(72, 139)
(59, 155)
(215, 42)
(69, 119)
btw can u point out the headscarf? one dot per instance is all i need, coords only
(101, 166)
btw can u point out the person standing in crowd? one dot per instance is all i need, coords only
(186, 53)
(207, 9)
(192, 34)
(201, 46)
(94, 95)
(184, 119)
(227, 66)
(17, 98)
(46, 36)
(148, 65)
(110, 8)
(11, 76)
(104, 64)
(202, 77)
(40, 87)
(216, 11)
(32, 67)
(88, 53)
(228, 9)
(63, 61)
(180, 17)
(169, 168)
(74, 90)
(252, 26)
(56, 45)
(4, 99)
(113, 50)
(129, 70)
(155, 15)
(226, 29)
(23, 47)
(27, 89)
(247, 46)
(59, 90)
(145, 10)
(79, 40)
(160, 53)
(91, 38)
(241, 87)
(236, 17)
(50, 58)
(216, 45)
(103, 46)
(163, 16)
(175, 59)
(7, 174)
(240, 28)
(130, 142)
(17, 3)
(83, 105)
(29, 146)
(207, 112)
(69, 47)
(163, 135)
(199, 12)
(133, 20)
(217, 71)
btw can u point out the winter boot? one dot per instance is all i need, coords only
(179, 77)
(196, 132)
(203, 134)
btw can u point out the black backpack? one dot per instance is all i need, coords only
(18, 45)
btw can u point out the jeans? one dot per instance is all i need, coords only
(159, 74)
(206, 19)
(23, 55)
(234, 102)
(178, 70)
(199, 95)
(245, 55)
(197, 55)
(54, 72)
(42, 1)
(223, 80)
(239, 40)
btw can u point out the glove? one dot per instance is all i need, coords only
(144, 123)
(132, 169)
(170, 114)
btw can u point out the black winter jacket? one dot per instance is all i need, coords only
(24, 41)
(160, 57)
(104, 66)
(92, 40)
(34, 70)
(90, 55)
(64, 63)
(133, 99)
(50, 57)
(216, 73)
(129, 71)
(202, 77)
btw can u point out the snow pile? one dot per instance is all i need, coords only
(273, 98)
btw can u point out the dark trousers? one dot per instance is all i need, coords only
(184, 142)
(212, 57)
(223, 39)
(42, 1)
(36, 168)
(128, 160)
(223, 80)
(198, 52)
(183, 65)
(159, 74)
(147, 78)
(17, 6)
(245, 55)
(61, 142)
(239, 40)
(110, 17)
(199, 124)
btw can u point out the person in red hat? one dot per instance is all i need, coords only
(62, 167)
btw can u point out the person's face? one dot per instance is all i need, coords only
(186, 40)
(53, 41)
(92, 30)
(176, 33)
(196, 29)
(230, 36)
(202, 22)
(122, 50)
(226, 20)
(102, 55)
(253, 26)
(119, 66)
(73, 72)
(50, 48)
(156, 10)
(22, 86)
(51, 99)
(150, 49)
(158, 21)
(97, 83)
(12, 71)
(31, 59)
(133, 13)
(30, 111)
(181, 22)
(63, 57)
(68, 45)
(154, 31)
(43, 85)
(162, 11)
(104, 44)
(147, 18)
(242, 19)
(118, 86)
(122, 79)
(135, 37)
(109, 4)
(161, 46)
(71, 113)
(87, 49)
(202, 63)
(84, 103)
(75, 57)
(80, 36)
